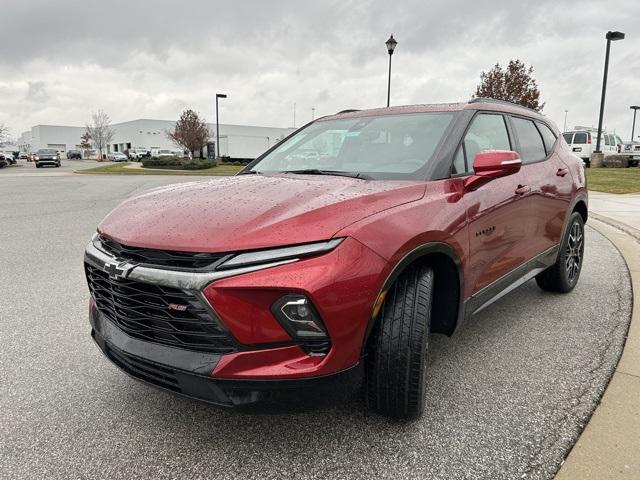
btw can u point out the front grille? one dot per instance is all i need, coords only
(158, 314)
(159, 258)
(147, 371)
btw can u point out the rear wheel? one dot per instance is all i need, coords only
(563, 275)
(396, 367)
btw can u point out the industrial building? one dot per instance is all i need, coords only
(236, 141)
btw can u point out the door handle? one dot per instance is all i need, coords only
(562, 172)
(522, 189)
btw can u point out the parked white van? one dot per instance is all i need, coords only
(583, 143)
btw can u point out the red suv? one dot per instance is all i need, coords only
(333, 256)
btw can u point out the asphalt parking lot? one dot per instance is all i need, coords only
(508, 393)
(24, 168)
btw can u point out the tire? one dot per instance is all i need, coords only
(563, 275)
(38, 166)
(397, 357)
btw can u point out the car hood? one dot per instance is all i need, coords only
(251, 211)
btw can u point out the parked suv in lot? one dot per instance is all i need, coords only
(47, 156)
(307, 271)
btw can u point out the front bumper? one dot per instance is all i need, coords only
(188, 373)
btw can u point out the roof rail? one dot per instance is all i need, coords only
(500, 102)
(349, 110)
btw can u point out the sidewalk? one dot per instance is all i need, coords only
(609, 447)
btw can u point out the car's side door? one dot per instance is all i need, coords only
(497, 212)
(550, 183)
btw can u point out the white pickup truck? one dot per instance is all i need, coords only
(138, 153)
(631, 150)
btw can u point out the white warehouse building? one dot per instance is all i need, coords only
(236, 141)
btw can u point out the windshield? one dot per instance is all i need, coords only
(47, 151)
(383, 147)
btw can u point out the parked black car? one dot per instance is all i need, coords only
(71, 154)
(47, 156)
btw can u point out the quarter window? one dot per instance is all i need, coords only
(548, 137)
(531, 145)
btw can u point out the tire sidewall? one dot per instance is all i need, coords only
(575, 218)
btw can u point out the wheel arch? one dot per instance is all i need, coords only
(447, 307)
(580, 206)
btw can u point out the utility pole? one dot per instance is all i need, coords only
(218, 95)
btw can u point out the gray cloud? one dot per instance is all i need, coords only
(152, 59)
(37, 92)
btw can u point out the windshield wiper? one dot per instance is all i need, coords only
(337, 173)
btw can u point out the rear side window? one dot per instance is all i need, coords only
(548, 137)
(580, 138)
(531, 145)
(488, 131)
(568, 137)
(607, 139)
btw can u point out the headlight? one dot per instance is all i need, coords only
(278, 254)
(37, 157)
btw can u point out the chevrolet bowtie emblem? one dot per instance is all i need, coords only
(118, 271)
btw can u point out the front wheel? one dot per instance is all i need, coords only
(396, 363)
(563, 275)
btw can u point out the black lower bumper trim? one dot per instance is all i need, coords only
(187, 373)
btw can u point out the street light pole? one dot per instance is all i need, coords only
(611, 37)
(635, 109)
(218, 95)
(565, 120)
(391, 45)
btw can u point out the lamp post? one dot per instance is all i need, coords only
(218, 95)
(611, 37)
(391, 46)
(635, 109)
(565, 120)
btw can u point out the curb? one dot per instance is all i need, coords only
(608, 446)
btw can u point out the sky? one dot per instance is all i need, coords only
(62, 60)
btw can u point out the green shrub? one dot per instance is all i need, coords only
(161, 162)
(176, 163)
(198, 164)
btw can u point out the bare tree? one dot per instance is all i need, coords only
(4, 132)
(514, 84)
(100, 131)
(190, 132)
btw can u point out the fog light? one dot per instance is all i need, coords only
(299, 318)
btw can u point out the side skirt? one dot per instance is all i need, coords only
(512, 280)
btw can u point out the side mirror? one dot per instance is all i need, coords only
(491, 164)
